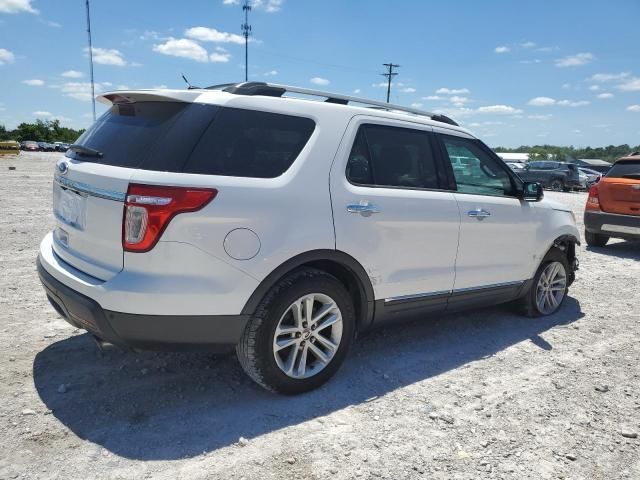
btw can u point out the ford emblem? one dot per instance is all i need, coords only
(63, 168)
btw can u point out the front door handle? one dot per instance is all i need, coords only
(479, 213)
(364, 208)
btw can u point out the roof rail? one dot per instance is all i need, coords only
(275, 90)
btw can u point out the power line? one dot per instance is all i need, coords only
(93, 90)
(246, 31)
(389, 74)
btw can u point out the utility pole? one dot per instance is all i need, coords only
(93, 90)
(246, 31)
(389, 74)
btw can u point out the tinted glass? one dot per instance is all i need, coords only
(625, 169)
(393, 157)
(475, 171)
(149, 135)
(537, 165)
(247, 143)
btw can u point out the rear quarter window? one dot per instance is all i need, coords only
(625, 169)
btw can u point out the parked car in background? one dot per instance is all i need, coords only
(596, 164)
(30, 146)
(613, 205)
(516, 166)
(46, 147)
(61, 146)
(178, 224)
(10, 147)
(558, 176)
(593, 176)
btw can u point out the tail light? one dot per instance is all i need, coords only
(150, 208)
(593, 201)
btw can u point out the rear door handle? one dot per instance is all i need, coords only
(479, 213)
(364, 208)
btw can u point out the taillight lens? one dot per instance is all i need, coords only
(150, 208)
(593, 201)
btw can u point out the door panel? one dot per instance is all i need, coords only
(497, 230)
(406, 238)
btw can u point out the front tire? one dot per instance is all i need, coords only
(595, 239)
(549, 287)
(300, 333)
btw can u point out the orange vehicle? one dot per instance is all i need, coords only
(613, 206)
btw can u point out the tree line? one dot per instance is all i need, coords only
(553, 152)
(41, 131)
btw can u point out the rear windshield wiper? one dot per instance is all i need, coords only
(82, 150)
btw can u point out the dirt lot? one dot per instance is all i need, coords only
(486, 394)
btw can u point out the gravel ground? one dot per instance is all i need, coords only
(485, 394)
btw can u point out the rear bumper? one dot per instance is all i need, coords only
(612, 225)
(146, 332)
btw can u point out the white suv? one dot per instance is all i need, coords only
(245, 216)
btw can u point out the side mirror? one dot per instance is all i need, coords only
(532, 192)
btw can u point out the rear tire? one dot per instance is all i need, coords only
(556, 185)
(595, 239)
(300, 333)
(549, 287)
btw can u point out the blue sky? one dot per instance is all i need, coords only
(515, 73)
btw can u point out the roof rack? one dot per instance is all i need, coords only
(275, 90)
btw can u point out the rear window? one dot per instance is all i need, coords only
(195, 138)
(625, 169)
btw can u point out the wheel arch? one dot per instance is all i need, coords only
(567, 244)
(339, 264)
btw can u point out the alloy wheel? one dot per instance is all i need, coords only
(307, 336)
(551, 287)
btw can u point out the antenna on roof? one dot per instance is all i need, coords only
(189, 86)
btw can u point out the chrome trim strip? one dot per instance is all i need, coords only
(485, 287)
(89, 189)
(416, 296)
(451, 292)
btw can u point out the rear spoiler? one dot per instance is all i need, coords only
(131, 96)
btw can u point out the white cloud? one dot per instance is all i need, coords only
(458, 100)
(605, 95)
(319, 81)
(49, 23)
(34, 82)
(17, 6)
(631, 85)
(528, 44)
(205, 34)
(6, 56)
(570, 103)
(539, 117)
(219, 57)
(502, 49)
(575, 60)
(408, 90)
(528, 62)
(499, 109)
(609, 77)
(42, 113)
(594, 88)
(357, 90)
(107, 56)
(82, 90)
(72, 74)
(183, 47)
(416, 105)
(433, 97)
(452, 91)
(566, 86)
(633, 108)
(542, 101)
(271, 73)
(384, 84)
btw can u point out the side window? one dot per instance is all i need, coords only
(475, 171)
(248, 143)
(392, 157)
